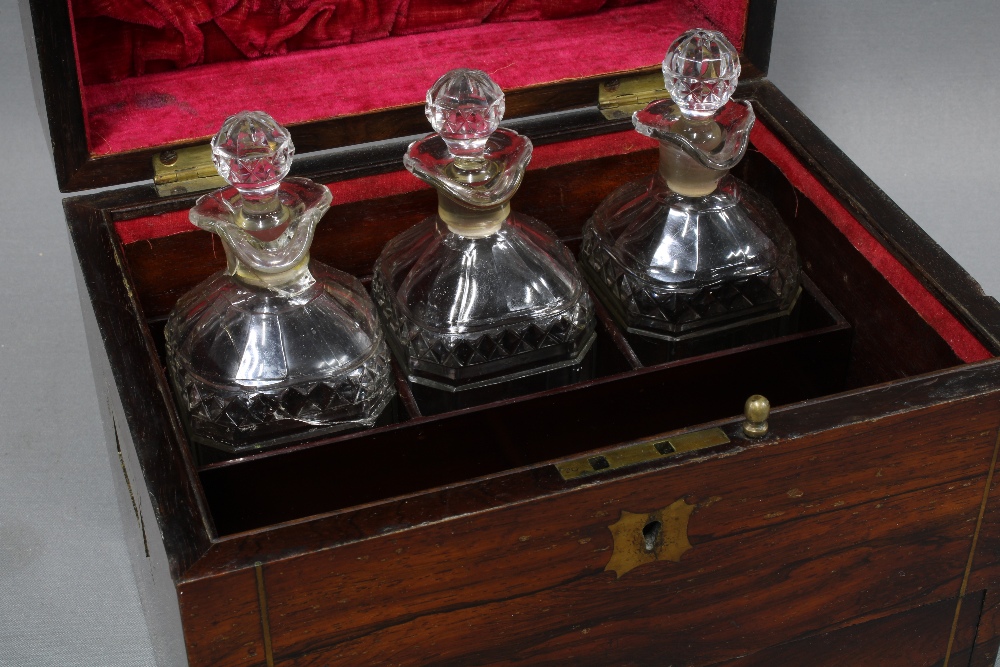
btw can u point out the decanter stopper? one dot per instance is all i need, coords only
(253, 153)
(702, 135)
(465, 107)
(265, 219)
(700, 71)
(475, 164)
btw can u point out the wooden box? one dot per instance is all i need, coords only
(625, 520)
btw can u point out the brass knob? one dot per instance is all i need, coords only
(756, 411)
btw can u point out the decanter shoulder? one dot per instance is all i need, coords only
(349, 293)
(540, 234)
(420, 241)
(330, 326)
(623, 203)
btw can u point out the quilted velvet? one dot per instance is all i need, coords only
(122, 38)
(159, 72)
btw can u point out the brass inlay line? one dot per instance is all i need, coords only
(128, 484)
(972, 551)
(641, 452)
(265, 625)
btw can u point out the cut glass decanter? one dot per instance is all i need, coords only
(477, 294)
(691, 251)
(276, 346)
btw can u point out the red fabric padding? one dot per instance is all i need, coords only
(729, 16)
(190, 104)
(930, 309)
(123, 38)
(118, 39)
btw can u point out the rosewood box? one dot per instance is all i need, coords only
(623, 520)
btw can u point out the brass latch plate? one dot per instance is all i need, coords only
(184, 170)
(618, 98)
(641, 452)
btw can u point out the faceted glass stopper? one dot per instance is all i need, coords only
(253, 153)
(700, 70)
(465, 107)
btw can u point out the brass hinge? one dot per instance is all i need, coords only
(176, 172)
(618, 98)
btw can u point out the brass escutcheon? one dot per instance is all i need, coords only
(646, 538)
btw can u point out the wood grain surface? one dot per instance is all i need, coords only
(915, 638)
(805, 533)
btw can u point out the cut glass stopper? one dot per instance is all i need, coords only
(252, 152)
(700, 71)
(465, 107)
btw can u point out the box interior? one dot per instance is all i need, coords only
(161, 73)
(894, 329)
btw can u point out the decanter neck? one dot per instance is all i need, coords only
(263, 217)
(684, 174)
(273, 255)
(471, 222)
(291, 281)
(696, 153)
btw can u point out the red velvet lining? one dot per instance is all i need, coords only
(923, 302)
(124, 38)
(118, 39)
(930, 309)
(163, 108)
(726, 15)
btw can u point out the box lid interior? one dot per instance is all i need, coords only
(143, 76)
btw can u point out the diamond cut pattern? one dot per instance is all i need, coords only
(472, 122)
(672, 310)
(457, 351)
(355, 397)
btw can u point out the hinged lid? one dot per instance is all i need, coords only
(119, 83)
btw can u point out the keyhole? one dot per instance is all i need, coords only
(651, 534)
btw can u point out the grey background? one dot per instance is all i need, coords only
(908, 89)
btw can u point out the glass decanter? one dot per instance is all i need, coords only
(691, 253)
(276, 346)
(477, 294)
